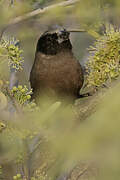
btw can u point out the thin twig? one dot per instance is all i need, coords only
(70, 173)
(82, 172)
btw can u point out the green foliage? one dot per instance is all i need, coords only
(9, 51)
(104, 62)
(26, 137)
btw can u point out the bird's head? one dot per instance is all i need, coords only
(54, 41)
(62, 34)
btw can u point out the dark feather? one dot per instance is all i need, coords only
(55, 70)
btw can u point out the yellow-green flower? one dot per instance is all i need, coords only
(28, 97)
(14, 89)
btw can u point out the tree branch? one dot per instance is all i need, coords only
(40, 11)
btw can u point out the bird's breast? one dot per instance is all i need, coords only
(61, 72)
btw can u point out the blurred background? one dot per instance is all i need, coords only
(97, 138)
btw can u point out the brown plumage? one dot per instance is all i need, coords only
(55, 71)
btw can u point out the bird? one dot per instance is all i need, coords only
(55, 71)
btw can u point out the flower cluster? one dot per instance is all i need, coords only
(104, 62)
(9, 49)
(21, 94)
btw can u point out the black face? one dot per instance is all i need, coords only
(53, 42)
